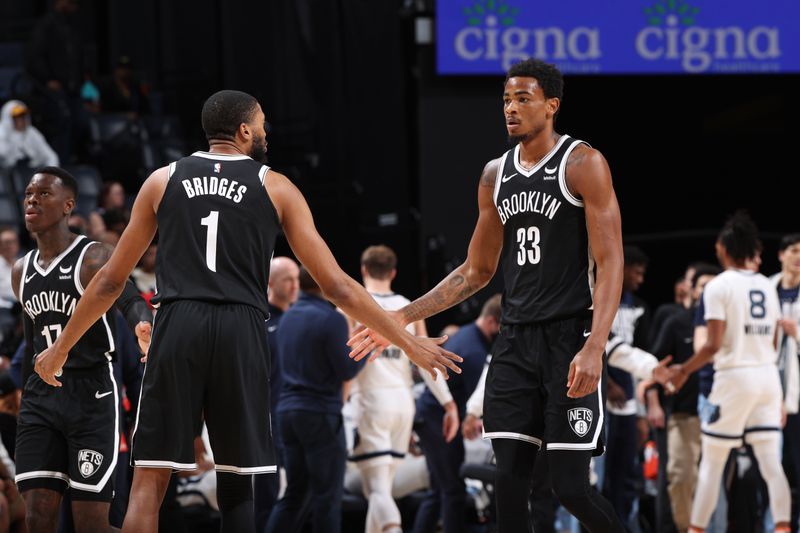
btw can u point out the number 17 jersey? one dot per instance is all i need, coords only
(217, 231)
(548, 267)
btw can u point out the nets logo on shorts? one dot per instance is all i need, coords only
(580, 420)
(89, 462)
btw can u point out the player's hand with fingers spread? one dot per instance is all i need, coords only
(584, 373)
(365, 342)
(49, 364)
(143, 332)
(428, 354)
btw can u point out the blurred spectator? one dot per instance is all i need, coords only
(115, 221)
(9, 409)
(112, 196)
(77, 224)
(9, 250)
(448, 495)
(96, 227)
(284, 286)
(20, 142)
(56, 61)
(315, 364)
(122, 92)
(144, 275)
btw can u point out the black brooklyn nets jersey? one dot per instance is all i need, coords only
(547, 264)
(217, 231)
(49, 297)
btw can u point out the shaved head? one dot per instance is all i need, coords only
(283, 282)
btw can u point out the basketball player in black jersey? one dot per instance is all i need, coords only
(67, 437)
(549, 214)
(218, 213)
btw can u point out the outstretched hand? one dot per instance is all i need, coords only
(143, 332)
(428, 354)
(366, 341)
(48, 365)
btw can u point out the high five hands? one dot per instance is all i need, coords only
(426, 352)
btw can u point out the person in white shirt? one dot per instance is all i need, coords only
(742, 315)
(384, 403)
(20, 141)
(9, 250)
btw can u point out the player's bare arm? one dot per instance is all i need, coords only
(471, 276)
(589, 178)
(482, 257)
(130, 303)
(107, 284)
(341, 289)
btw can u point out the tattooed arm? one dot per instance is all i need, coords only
(460, 284)
(481, 263)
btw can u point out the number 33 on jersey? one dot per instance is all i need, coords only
(545, 242)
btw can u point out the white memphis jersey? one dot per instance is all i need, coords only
(748, 303)
(393, 368)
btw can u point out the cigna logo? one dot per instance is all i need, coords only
(673, 33)
(491, 34)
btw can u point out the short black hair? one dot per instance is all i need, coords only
(224, 111)
(704, 269)
(739, 236)
(788, 240)
(67, 179)
(634, 256)
(548, 76)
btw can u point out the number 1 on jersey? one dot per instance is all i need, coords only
(212, 221)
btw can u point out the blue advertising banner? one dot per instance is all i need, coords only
(619, 36)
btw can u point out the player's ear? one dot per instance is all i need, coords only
(553, 104)
(69, 205)
(244, 131)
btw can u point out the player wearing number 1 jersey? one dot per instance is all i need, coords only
(742, 314)
(218, 213)
(549, 216)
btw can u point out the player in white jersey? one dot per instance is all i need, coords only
(384, 403)
(742, 313)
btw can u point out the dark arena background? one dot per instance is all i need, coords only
(388, 148)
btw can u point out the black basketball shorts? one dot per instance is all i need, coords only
(68, 436)
(526, 388)
(207, 362)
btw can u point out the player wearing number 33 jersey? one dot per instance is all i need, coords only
(548, 266)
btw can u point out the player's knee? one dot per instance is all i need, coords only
(573, 496)
(90, 517)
